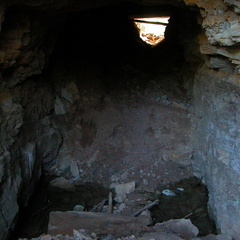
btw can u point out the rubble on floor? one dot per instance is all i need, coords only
(152, 234)
(128, 219)
(75, 205)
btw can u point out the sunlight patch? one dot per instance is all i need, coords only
(151, 30)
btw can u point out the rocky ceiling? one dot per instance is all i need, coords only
(75, 5)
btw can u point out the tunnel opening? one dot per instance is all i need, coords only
(151, 30)
(119, 110)
(109, 36)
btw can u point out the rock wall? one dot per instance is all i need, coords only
(27, 142)
(216, 109)
(27, 138)
(217, 145)
(121, 134)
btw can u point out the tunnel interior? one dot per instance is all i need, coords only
(124, 102)
(116, 109)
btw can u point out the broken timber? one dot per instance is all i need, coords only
(145, 208)
(149, 22)
(110, 202)
(99, 207)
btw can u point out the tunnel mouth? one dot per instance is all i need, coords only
(152, 30)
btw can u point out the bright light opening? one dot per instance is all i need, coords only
(151, 30)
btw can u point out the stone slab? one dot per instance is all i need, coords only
(65, 222)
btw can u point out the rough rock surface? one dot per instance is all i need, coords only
(30, 139)
(183, 227)
(28, 143)
(122, 135)
(216, 101)
(217, 129)
(62, 184)
(122, 190)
